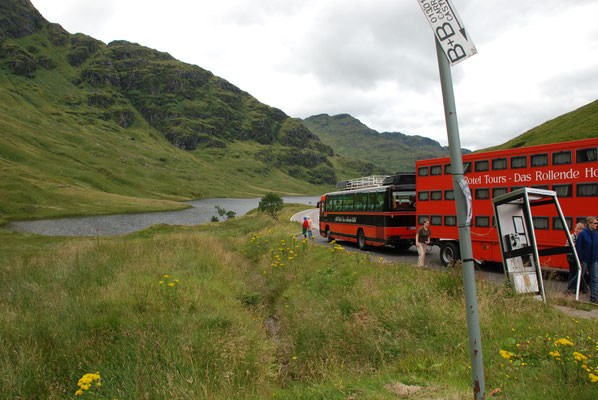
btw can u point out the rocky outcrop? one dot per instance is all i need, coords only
(19, 60)
(19, 18)
(82, 47)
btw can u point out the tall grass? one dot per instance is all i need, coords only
(243, 310)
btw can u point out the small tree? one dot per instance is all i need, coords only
(223, 213)
(271, 204)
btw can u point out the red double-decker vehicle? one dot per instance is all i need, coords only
(570, 169)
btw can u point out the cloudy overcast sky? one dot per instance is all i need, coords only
(373, 59)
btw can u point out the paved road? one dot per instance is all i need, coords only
(492, 272)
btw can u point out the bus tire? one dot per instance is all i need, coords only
(361, 239)
(449, 253)
(328, 235)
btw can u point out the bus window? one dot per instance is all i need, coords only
(481, 166)
(587, 189)
(499, 163)
(330, 203)
(482, 222)
(423, 171)
(436, 220)
(447, 169)
(563, 190)
(423, 196)
(337, 203)
(513, 188)
(482, 194)
(561, 157)
(519, 162)
(403, 201)
(543, 187)
(538, 160)
(361, 201)
(436, 170)
(558, 225)
(585, 155)
(540, 222)
(422, 218)
(436, 195)
(380, 201)
(497, 191)
(467, 167)
(371, 201)
(348, 201)
(450, 220)
(449, 195)
(580, 220)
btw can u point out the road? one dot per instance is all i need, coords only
(492, 272)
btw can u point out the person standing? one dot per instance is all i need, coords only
(422, 240)
(305, 227)
(587, 251)
(573, 272)
(310, 228)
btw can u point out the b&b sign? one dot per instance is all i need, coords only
(449, 30)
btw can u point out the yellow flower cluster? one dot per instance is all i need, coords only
(171, 283)
(554, 354)
(506, 354)
(87, 381)
(579, 356)
(563, 342)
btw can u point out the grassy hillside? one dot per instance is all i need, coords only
(243, 310)
(392, 150)
(89, 128)
(578, 124)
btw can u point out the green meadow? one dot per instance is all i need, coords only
(244, 309)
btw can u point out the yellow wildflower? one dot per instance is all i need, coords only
(506, 354)
(593, 378)
(563, 342)
(579, 356)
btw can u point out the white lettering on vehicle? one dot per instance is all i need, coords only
(536, 176)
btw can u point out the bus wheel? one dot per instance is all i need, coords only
(361, 240)
(328, 235)
(449, 253)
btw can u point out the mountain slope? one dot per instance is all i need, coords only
(392, 150)
(87, 127)
(577, 124)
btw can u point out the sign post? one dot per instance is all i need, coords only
(453, 46)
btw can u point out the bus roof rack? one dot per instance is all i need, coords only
(363, 182)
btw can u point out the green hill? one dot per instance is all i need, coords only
(90, 128)
(578, 124)
(394, 151)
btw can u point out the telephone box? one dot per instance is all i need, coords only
(520, 250)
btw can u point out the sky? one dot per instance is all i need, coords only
(373, 59)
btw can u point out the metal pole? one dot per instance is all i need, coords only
(471, 301)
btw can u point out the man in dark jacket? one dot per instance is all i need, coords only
(587, 250)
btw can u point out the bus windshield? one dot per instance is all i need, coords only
(403, 200)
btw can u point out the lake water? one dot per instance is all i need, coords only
(201, 211)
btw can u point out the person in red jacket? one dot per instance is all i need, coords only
(305, 227)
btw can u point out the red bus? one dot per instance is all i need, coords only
(570, 169)
(372, 216)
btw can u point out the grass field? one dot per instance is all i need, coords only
(243, 310)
